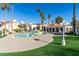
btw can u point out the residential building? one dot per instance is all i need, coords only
(52, 27)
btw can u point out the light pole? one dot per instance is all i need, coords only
(63, 40)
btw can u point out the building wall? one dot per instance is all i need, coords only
(68, 28)
(8, 26)
(33, 26)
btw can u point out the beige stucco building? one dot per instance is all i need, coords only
(53, 27)
(10, 25)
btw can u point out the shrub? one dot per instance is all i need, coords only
(17, 30)
(0, 32)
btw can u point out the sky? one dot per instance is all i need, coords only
(27, 12)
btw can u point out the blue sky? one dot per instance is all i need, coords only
(27, 11)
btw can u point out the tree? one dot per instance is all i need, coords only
(38, 10)
(12, 6)
(49, 16)
(74, 18)
(20, 26)
(24, 27)
(42, 16)
(59, 19)
(4, 7)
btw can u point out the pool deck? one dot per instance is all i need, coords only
(18, 44)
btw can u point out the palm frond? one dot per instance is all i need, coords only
(41, 14)
(5, 6)
(0, 5)
(49, 16)
(2, 8)
(12, 3)
(43, 18)
(38, 9)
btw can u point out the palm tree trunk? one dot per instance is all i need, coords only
(42, 24)
(48, 21)
(11, 25)
(12, 11)
(4, 21)
(74, 18)
(12, 20)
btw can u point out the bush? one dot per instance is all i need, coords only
(70, 33)
(0, 32)
(17, 30)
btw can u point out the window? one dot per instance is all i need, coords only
(50, 29)
(57, 29)
(66, 29)
(61, 29)
(0, 25)
(47, 29)
(44, 28)
(53, 29)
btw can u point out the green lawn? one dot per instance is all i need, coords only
(53, 49)
(2, 36)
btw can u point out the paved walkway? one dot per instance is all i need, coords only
(14, 44)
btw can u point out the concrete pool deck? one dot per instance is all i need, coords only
(18, 44)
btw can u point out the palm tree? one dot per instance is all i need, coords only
(42, 19)
(12, 6)
(24, 27)
(38, 10)
(49, 16)
(4, 7)
(20, 26)
(59, 19)
(74, 18)
(42, 16)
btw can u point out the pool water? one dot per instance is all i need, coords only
(24, 35)
(28, 34)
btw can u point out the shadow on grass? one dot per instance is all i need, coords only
(57, 43)
(70, 52)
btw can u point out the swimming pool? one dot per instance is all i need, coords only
(28, 34)
(24, 35)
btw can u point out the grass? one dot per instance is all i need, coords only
(2, 36)
(53, 49)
